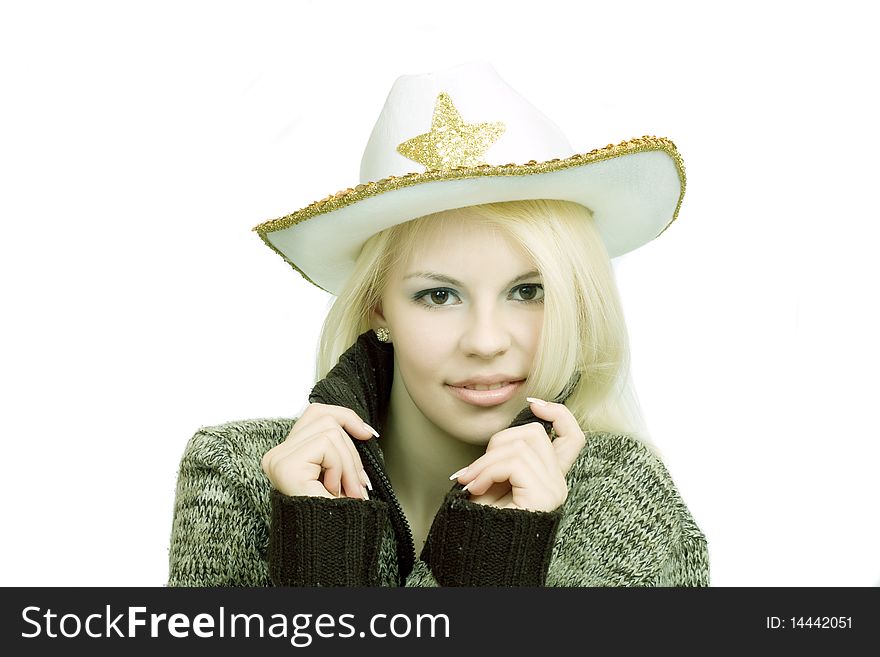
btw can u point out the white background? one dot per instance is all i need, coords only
(140, 143)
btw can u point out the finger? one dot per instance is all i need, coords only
(570, 437)
(533, 433)
(531, 444)
(356, 457)
(316, 425)
(331, 479)
(516, 467)
(542, 446)
(353, 468)
(505, 502)
(468, 474)
(317, 489)
(353, 424)
(293, 442)
(494, 495)
(517, 475)
(508, 435)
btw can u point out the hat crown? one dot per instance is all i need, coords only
(463, 115)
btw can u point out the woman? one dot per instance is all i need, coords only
(477, 336)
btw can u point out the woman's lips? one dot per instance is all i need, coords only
(486, 397)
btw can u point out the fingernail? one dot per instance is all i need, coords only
(371, 430)
(364, 493)
(456, 475)
(466, 487)
(540, 402)
(366, 479)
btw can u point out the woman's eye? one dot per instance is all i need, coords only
(533, 292)
(434, 298)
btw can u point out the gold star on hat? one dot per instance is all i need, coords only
(451, 142)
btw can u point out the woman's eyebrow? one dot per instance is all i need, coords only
(447, 279)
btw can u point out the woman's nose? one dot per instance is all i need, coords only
(486, 334)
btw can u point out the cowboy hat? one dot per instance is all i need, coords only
(462, 137)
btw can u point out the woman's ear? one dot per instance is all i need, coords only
(377, 318)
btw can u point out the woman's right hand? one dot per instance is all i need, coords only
(318, 444)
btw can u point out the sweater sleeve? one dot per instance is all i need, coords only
(625, 524)
(472, 544)
(218, 535)
(318, 541)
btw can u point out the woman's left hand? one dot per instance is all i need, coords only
(522, 468)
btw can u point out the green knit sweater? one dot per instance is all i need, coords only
(622, 524)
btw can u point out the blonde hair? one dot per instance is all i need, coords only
(583, 327)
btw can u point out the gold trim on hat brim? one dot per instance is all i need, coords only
(360, 192)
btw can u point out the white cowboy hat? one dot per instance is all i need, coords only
(462, 137)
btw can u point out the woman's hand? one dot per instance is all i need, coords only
(318, 444)
(522, 468)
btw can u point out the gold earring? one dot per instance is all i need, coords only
(383, 334)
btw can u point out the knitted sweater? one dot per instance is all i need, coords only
(622, 524)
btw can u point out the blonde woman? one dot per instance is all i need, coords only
(472, 421)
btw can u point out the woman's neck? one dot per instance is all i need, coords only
(419, 457)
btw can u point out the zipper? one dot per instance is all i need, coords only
(406, 555)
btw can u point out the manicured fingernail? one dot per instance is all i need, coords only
(540, 402)
(364, 493)
(456, 475)
(371, 430)
(366, 479)
(466, 487)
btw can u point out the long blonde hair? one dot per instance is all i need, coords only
(583, 331)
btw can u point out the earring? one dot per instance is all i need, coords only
(383, 334)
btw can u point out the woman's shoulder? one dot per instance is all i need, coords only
(236, 441)
(624, 523)
(624, 471)
(606, 452)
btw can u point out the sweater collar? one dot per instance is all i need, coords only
(362, 378)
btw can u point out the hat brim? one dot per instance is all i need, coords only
(634, 190)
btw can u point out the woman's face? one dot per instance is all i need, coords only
(468, 303)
